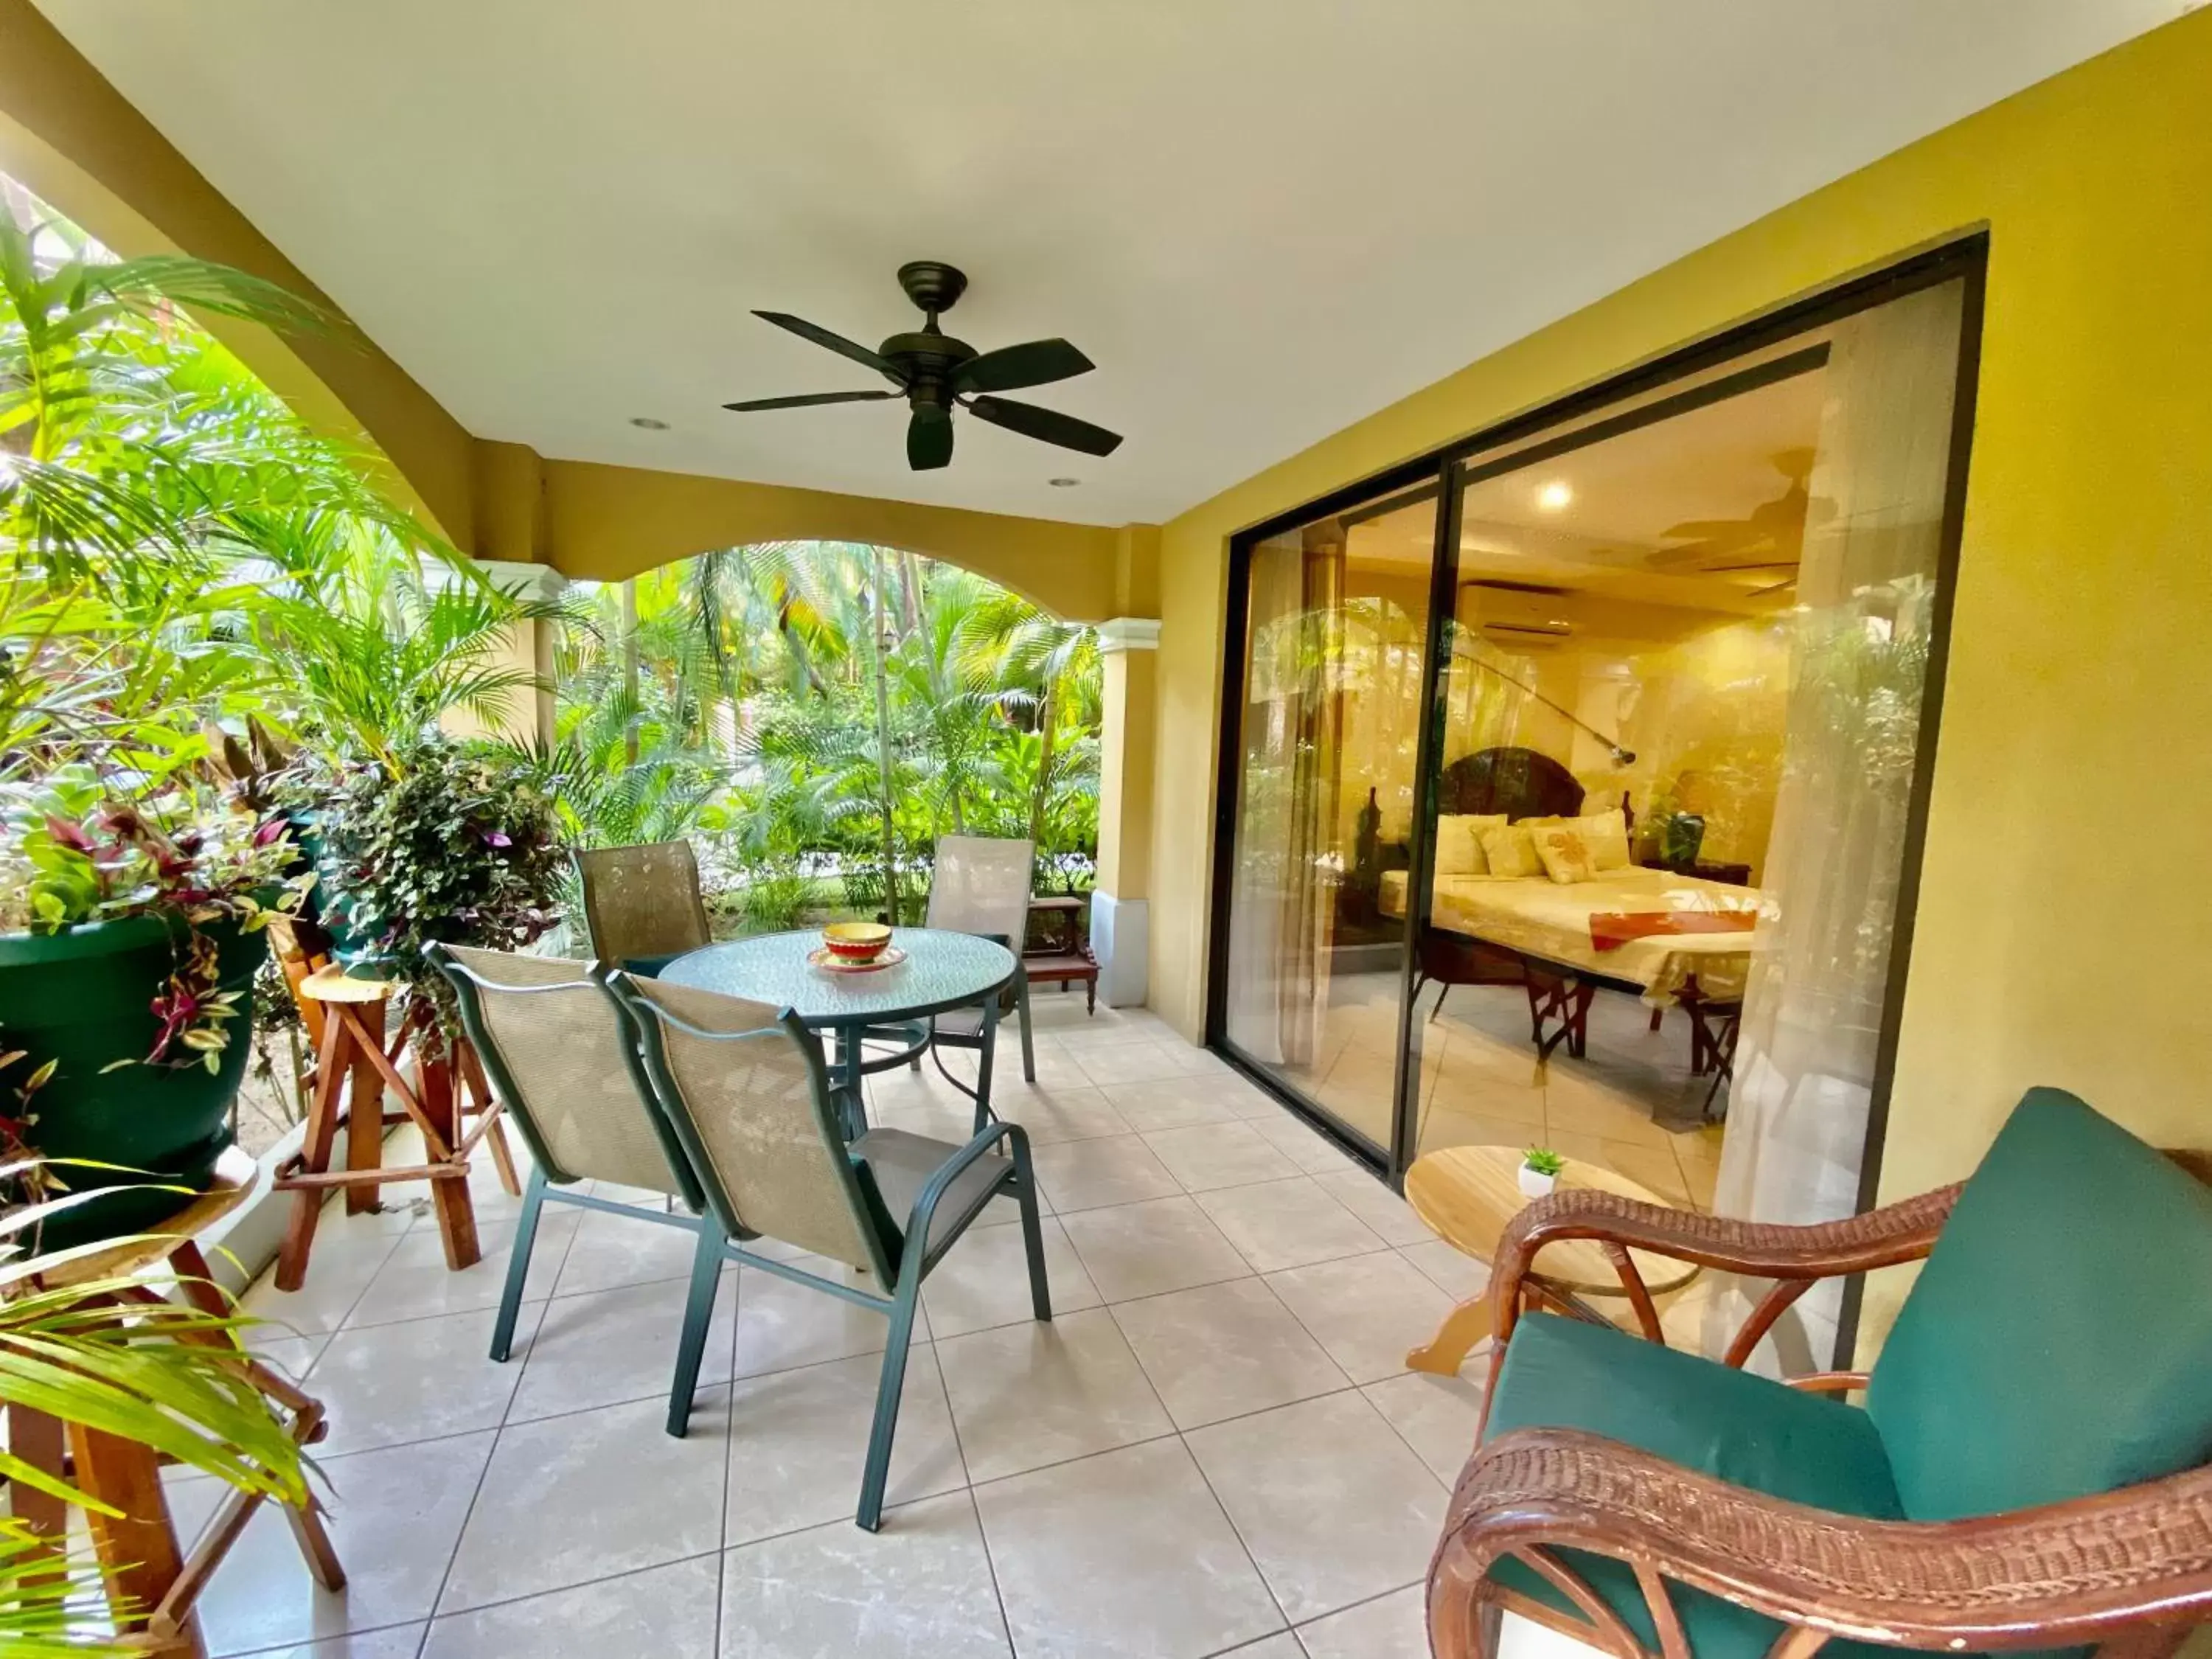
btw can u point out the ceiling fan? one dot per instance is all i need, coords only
(1775, 527)
(933, 372)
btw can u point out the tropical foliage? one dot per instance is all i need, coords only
(819, 714)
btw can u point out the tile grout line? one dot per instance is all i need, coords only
(975, 1508)
(729, 1454)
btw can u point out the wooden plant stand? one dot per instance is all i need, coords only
(145, 1566)
(351, 1045)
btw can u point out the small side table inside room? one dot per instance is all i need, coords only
(1466, 1195)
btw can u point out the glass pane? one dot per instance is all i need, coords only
(1336, 620)
(1697, 628)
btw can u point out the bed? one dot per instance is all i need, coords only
(1537, 933)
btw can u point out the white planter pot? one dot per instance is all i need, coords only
(1533, 1185)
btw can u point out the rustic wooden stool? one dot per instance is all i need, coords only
(351, 1045)
(138, 1552)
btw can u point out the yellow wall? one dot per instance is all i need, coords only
(2074, 768)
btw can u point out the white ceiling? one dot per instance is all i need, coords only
(1261, 218)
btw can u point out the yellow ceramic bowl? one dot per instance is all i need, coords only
(856, 941)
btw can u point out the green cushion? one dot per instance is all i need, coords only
(2059, 1341)
(1744, 1429)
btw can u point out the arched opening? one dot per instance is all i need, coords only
(815, 714)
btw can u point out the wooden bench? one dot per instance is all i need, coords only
(1064, 959)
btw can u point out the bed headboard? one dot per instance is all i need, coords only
(1518, 782)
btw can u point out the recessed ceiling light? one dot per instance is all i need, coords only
(646, 422)
(1063, 484)
(1554, 495)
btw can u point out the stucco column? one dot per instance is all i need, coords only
(528, 645)
(1119, 929)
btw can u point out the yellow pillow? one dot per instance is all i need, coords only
(1459, 851)
(1565, 854)
(1510, 851)
(1606, 835)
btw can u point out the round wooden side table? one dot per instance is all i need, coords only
(1466, 1194)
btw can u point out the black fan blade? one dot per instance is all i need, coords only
(837, 343)
(809, 400)
(1047, 424)
(1037, 362)
(929, 437)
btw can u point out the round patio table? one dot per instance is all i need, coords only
(943, 970)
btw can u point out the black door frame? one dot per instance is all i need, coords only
(1442, 471)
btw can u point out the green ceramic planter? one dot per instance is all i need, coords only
(84, 998)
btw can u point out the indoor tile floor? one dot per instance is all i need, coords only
(1629, 1103)
(1214, 1448)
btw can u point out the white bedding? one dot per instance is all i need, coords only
(1543, 918)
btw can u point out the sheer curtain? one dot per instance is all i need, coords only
(1804, 1067)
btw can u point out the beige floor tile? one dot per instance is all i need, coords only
(1247, 1099)
(1443, 1127)
(1027, 1395)
(921, 1589)
(1451, 1270)
(782, 1324)
(417, 1381)
(1286, 1223)
(949, 1120)
(1172, 1103)
(1148, 1250)
(1367, 1310)
(1092, 1032)
(394, 1515)
(1479, 1095)
(338, 1271)
(1084, 1175)
(609, 1346)
(798, 1440)
(1393, 1626)
(1334, 1506)
(1281, 1645)
(575, 1498)
(1223, 1350)
(612, 1251)
(1440, 1417)
(984, 1280)
(663, 1610)
(1125, 1556)
(1131, 1062)
(1210, 1154)
(1386, 1214)
(1579, 1103)
(400, 1642)
(1054, 1060)
(414, 1282)
(1314, 1153)
(1054, 1112)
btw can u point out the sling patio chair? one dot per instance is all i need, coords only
(981, 884)
(558, 1050)
(2028, 1471)
(642, 903)
(748, 1094)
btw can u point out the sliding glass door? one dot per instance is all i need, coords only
(1572, 782)
(1327, 738)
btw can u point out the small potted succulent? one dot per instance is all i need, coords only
(1540, 1171)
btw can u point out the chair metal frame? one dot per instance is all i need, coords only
(547, 1177)
(902, 1258)
(983, 1040)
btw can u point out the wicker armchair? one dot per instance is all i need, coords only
(2032, 1468)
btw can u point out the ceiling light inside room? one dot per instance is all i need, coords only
(1554, 496)
(647, 423)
